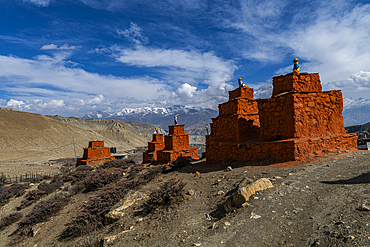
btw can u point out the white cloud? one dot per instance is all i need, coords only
(73, 89)
(55, 47)
(41, 3)
(12, 103)
(185, 92)
(180, 66)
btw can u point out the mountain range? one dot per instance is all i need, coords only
(355, 112)
(194, 118)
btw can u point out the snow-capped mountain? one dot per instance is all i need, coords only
(194, 118)
(356, 111)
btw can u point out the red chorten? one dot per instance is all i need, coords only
(298, 120)
(176, 145)
(153, 147)
(95, 154)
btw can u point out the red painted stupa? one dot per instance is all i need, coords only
(298, 120)
(95, 154)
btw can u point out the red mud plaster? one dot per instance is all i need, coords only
(153, 147)
(95, 154)
(176, 145)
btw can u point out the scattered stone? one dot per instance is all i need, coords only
(246, 204)
(363, 207)
(276, 177)
(139, 220)
(196, 244)
(35, 229)
(191, 192)
(242, 195)
(351, 237)
(31, 184)
(290, 174)
(107, 240)
(118, 210)
(255, 216)
(339, 223)
(197, 174)
(229, 168)
(208, 217)
(227, 223)
(221, 192)
(214, 226)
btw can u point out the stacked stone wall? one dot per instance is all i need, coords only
(176, 142)
(154, 146)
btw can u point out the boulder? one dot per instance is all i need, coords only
(242, 194)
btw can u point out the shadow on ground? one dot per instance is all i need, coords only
(361, 179)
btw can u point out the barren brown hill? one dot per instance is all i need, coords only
(27, 136)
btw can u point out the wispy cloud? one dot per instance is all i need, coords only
(179, 66)
(41, 3)
(134, 34)
(55, 47)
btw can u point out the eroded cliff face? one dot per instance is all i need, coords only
(298, 120)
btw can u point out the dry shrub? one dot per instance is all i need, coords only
(77, 175)
(14, 190)
(35, 195)
(102, 177)
(10, 219)
(41, 212)
(50, 187)
(94, 210)
(170, 193)
(31, 197)
(123, 164)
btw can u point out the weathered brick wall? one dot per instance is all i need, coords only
(241, 92)
(318, 114)
(276, 118)
(177, 129)
(96, 144)
(166, 156)
(238, 106)
(177, 142)
(296, 83)
(295, 115)
(236, 128)
(96, 153)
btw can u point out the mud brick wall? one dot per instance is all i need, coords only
(96, 153)
(241, 92)
(239, 106)
(96, 144)
(176, 142)
(318, 114)
(157, 143)
(296, 83)
(176, 129)
(276, 117)
(157, 138)
(295, 115)
(236, 128)
(166, 156)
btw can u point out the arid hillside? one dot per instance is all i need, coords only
(32, 137)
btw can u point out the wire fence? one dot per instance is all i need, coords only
(32, 177)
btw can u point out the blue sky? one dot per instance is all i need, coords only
(70, 57)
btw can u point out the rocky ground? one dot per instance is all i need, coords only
(323, 201)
